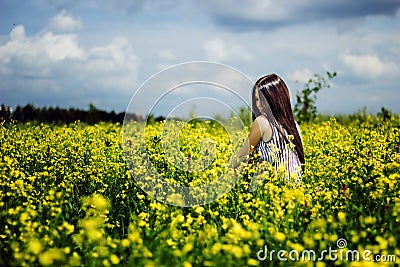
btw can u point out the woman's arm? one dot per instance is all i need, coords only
(256, 132)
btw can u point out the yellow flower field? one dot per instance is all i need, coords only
(68, 198)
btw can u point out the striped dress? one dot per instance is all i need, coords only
(281, 155)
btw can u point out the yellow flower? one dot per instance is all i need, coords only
(94, 234)
(35, 246)
(317, 236)
(99, 202)
(279, 236)
(24, 216)
(125, 243)
(188, 247)
(297, 247)
(67, 250)
(216, 248)
(383, 243)
(147, 253)
(75, 260)
(252, 262)
(103, 251)
(370, 220)
(342, 216)
(46, 259)
(199, 209)
(106, 263)
(70, 228)
(114, 259)
(150, 264)
(177, 253)
(309, 242)
(355, 238)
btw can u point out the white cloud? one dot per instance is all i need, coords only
(63, 22)
(218, 50)
(302, 75)
(115, 66)
(370, 66)
(47, 65)
(215, 49)
(166, 54)
(33, 55)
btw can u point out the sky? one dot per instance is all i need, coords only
(72, 53)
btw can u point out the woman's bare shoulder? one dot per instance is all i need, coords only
(265, 127)
(262, 119)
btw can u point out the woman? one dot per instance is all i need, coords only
(274, 132)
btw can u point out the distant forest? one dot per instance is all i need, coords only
(94, 115)
(61, 115)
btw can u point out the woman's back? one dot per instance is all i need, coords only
(279, 151)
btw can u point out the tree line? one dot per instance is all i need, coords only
(62, 115)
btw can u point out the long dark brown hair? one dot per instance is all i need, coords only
(276, 93)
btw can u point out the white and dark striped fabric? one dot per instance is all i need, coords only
(279, 153)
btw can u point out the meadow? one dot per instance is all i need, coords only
(68, 198)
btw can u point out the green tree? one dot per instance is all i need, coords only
(245, 116)
(305, 109)
(385, 114)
